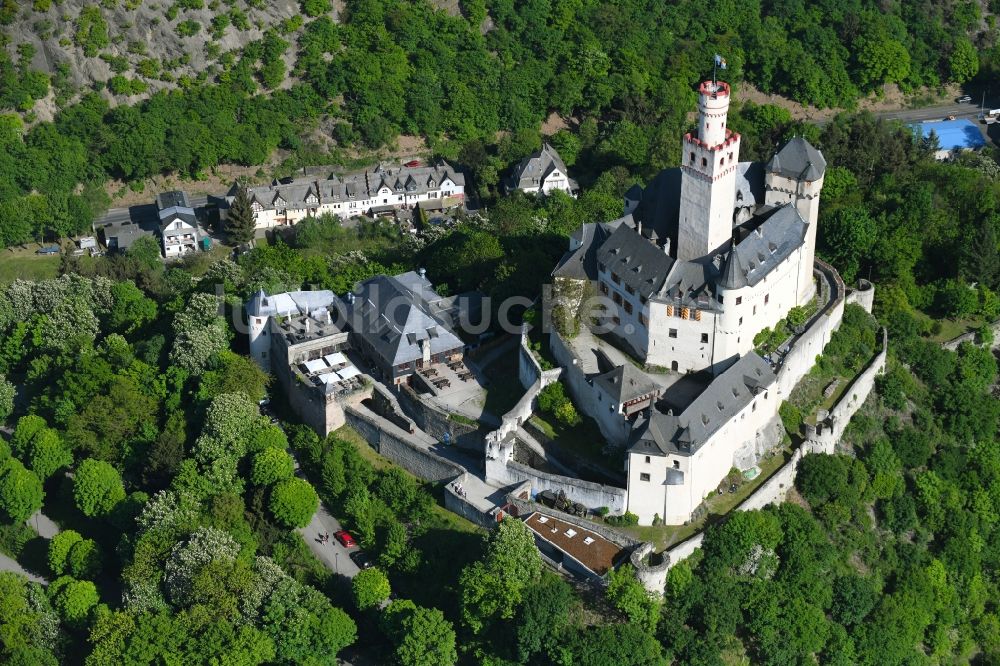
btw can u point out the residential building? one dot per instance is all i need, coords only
(542, 172)
(381, 189)
(178, 228)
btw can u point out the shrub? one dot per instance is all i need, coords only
(91, 31)
(791, 417)
(188, 28)
(625, 520)
(314, 8)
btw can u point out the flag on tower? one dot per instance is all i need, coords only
(720, 62)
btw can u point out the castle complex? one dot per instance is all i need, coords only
(705, 258)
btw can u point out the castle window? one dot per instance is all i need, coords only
(628, 307)
(617, 298)
(718, 297)
(685, 313)
(704, 162)
(753, 407)
(644, 477)
(697, 315)
(677, 464)
(670, 311)
(615, 278)
(616, 320)
(739, 300)
(704, 338)
(263, 354)
(672, 333)
(767, 297)
(630, 290)
(604, 288)
(692, 158)
(755, 309)
(730, 157)
(741, 321)
(647, 458)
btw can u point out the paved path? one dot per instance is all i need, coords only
(336, 558)
(9, 564)
(44, 525)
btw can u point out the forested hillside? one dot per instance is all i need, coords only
(237, 80)
(172, 508)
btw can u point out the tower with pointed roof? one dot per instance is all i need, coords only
(709, 162)
(795, 175)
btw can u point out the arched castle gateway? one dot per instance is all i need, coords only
(706, 256)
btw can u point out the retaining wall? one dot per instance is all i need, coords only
(436, 421)
(591, 495)
(954, 343)
(823, 437)
(804, 348)
(533, 379)
(818, 440)
(465, 508)
(399, 447)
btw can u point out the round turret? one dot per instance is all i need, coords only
(713, 108)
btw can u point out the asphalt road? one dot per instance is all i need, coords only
(336, 558)
(140, 213)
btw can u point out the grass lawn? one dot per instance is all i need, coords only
(17, 263)
(441, 518)
(665, 536)
(584, 440)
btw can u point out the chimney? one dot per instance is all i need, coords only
(350, 297)
(638, 227)
(422, 272)
(666, 246)
(307, 324)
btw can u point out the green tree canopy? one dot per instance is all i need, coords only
(293, 502)
(97, 487)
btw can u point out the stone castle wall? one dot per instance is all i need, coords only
(398, 446)
(437, 423)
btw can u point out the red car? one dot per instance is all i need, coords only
(345, 539)
(412, 163)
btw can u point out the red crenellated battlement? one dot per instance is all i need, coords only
(721, 89)
(731, 138)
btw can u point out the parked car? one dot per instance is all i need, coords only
(53, 249)
(345, 539)
(412, 163)
(362, 559)
(964, 99)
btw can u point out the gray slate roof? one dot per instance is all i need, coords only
(726, 396)
(798, 159)
(309, 192)
(626, 382)
(640, 264)
(393, 315)
(581, 263)
(174, 198)
(771, 242)
(531, 172)
(733, 274)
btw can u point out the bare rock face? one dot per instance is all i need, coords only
(142, 33)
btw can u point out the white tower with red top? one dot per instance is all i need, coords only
(708, 177)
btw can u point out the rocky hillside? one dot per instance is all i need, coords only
(131, 48)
